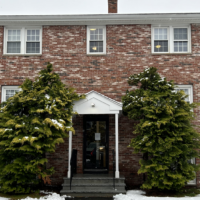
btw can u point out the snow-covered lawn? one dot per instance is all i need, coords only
(139, 195)
(130, 195)
(3, 198)
(49, 196)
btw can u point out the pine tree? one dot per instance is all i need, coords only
(32, 123)
(164, 133)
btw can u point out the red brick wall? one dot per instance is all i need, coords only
(128, 52)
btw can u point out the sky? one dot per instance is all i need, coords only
(45, 7)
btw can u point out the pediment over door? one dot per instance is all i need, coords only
(96, 103)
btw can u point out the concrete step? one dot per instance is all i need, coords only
(90, 185)
(91, 196)
(93, 187)
(93, 182)
(97, 193)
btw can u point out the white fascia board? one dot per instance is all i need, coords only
(100, 19)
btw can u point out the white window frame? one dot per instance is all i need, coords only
(3, 92)
(190, 95)
(170, 36)
(88, 40)
(23, 38)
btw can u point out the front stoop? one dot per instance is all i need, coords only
(93, 185)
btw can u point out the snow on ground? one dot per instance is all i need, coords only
(138, 195)
(3, 198)
(50, 196)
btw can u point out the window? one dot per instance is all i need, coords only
(96, 40)
(188, 91)
(171, 39)
(23, 40)
(8, 91)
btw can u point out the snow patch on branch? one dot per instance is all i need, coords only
(57, 123)
(8, 129)
(47, 96)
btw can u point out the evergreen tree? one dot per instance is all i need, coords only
(32, 123)
(165, 134)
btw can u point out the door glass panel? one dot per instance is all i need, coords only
(95, 145)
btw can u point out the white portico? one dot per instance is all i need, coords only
(98, 104)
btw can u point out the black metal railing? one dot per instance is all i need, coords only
(113, 152)
(73, 164)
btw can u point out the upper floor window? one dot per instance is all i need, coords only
(171, 39)
(8, 91)
(23, 40)
(96, 40)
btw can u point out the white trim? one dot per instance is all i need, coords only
(116, 147)
(69, 154)
(116, 102)
(3, 92)
(104, 40)
(23, 38)
(170, 37)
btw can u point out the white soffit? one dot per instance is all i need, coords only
(96, 103)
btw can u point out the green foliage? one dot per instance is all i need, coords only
(164, 131)
(32, 123)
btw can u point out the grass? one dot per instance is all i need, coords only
(191, 192)
(21, 196)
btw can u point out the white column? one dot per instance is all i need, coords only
(70, 153)
(116, 147)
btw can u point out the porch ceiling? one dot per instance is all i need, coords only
(96, 103)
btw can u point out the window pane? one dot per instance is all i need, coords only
(180, 34)
(32, 47)
(96, 46)
(10, 93)
(160, 46)
(180, 46)
(33, 35)
(96, 34)
(101, 31)
(14, 47)
(13, 35)
(160, 33)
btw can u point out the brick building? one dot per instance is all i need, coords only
(96, 54)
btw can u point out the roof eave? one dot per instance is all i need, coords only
(100, 19)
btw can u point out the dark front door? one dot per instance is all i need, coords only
(95, 148)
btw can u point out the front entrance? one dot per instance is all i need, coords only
(95, 147)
